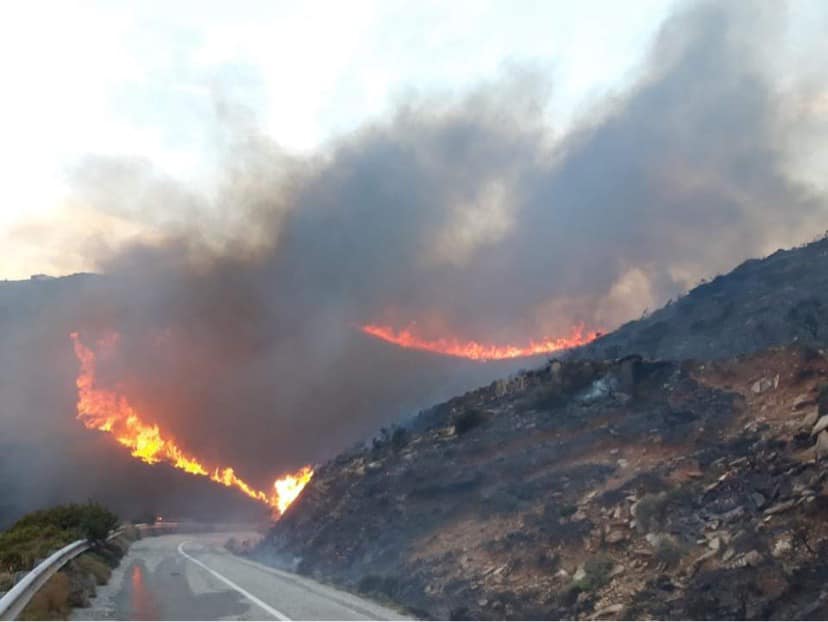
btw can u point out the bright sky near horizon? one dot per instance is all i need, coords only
(142, 79)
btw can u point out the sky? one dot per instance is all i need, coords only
(147, 80)
(152, 81)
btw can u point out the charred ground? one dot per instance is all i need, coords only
(606, 487)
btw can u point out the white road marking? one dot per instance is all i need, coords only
(274, 612)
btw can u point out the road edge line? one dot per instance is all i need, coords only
(258, 601)
(363, 606)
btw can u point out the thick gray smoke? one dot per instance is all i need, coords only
(470, 218)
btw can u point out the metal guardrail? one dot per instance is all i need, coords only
(15, 600)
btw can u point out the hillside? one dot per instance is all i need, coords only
(605, 487)
(47, 457)
(778, 300)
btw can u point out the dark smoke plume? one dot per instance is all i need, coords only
(469, 217)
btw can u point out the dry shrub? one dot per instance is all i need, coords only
(94, 565)
(131, 533)
(51, 602)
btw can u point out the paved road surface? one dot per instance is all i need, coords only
(192, 577)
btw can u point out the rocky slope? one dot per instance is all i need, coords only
(778, 300)
(585, 489)
(600, 486)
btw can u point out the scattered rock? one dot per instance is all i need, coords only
(762, 385)
(782, 546)
(615, 536)
(758, 499)
(617, 570)
(606, 611)
(732, 515)
(821, 447)
(811, 417)
(820, 425)
(752, 558)
(700, 560)
(780, 507)
(801, 401)
(580, 574)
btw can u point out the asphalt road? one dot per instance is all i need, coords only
(192, 577)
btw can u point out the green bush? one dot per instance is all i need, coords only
(38, 534)
(96, 522)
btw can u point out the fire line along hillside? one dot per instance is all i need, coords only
(619, 486)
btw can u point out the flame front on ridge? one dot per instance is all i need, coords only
(108, 411)
(474, 350)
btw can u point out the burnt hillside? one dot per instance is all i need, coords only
(588, 489)
(779, 300)
(673, 469)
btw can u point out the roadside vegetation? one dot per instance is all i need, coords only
(39, 534)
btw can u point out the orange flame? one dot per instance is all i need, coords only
(107, 411)
(289, 487)
(477, 351)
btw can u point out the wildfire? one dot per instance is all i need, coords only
(108, 411)
(289, 487)
(477, 351)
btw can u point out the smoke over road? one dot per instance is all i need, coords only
(470, 218)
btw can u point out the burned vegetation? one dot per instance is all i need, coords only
(681, 483)
(625, 488)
